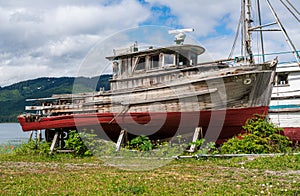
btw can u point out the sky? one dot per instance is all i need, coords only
(72, 37)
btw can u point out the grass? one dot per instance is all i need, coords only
(65, 175)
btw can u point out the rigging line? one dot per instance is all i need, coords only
(287, 38)
(260, 33)
(290, 10)
(279, 53)
(253, 18)
(236, 37)
(293, 7)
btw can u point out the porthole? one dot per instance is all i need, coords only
(247, 81)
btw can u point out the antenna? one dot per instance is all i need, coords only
(180, 34)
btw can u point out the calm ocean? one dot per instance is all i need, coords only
(12, 133)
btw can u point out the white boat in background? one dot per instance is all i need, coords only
(285, 102)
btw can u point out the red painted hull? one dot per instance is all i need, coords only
(217, 125)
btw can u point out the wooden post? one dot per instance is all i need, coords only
(198, 130)
(39, 135)
(54, 142)
(120, 139)
(47, 135)
(30, 136)
(61, 139)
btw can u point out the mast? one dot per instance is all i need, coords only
(246, 29)
(248, 55)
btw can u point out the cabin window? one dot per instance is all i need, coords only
(124, 64)
(115, 69)
(183, 60)
(154, 62)
(169, 59)
(282, 79)
(141, 64)
(193, 60)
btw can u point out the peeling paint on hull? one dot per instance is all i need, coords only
(218, 124)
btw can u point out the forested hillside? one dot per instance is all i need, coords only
(12, 98)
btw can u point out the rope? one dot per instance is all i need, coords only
(286, 52)
(235, 155)
(293, 7)
(235, 38)
(291, 10)
(277, 53)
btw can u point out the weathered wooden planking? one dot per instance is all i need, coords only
(285, 101)
(285, 119)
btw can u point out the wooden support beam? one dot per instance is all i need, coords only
(54, 142)
(30, 136)
(39, 135)
(121, 139)
(47, 135)
(197, 132)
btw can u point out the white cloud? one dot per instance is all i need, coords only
(210, 17)
(52, 37)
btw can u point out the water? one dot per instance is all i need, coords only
(12, 133)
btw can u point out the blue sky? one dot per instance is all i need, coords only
(54, 38)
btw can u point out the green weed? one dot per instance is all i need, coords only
(261, 137)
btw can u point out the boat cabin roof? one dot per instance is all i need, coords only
(181, 49)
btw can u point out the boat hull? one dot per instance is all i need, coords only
(217, 125)
(219, 101)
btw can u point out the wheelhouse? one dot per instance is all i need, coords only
(144, 68)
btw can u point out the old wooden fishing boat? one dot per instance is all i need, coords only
(162, 92)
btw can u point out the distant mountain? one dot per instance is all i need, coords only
(12, 98)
